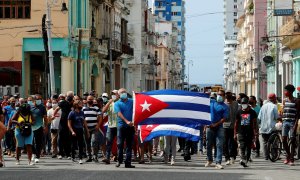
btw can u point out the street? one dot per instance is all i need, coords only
(49, 168)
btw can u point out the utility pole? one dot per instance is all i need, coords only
(259, 65)
(51, 63)
(110, 65)
(277, 59)
(79, 63)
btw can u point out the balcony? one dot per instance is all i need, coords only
(228, 49)
(290, 32)
(127, 50)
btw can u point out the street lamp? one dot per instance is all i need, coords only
(51, 64)
(190, 62)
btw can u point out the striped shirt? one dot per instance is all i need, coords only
(91, 115)
(289, 110)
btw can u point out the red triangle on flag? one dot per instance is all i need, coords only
(146, 106)
(146, 130)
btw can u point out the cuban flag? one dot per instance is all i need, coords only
(171, 113)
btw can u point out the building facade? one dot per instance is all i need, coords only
(174, 11)
(24, 63)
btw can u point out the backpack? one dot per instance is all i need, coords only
(25, 128)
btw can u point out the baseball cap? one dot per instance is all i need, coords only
(104, 95)
(272, 96)
(115, 91)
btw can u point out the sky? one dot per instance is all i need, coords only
(204, 41)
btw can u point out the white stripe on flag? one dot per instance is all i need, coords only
(183, 99)
(170, 113)
(178, 128)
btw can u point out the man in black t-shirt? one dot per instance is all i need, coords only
(245, 130)
(64, 136)
(2, 133)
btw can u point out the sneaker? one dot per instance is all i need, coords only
(161, 154)
(54, 156)
(89, 160)
(33, 157)
(36, 160)
(69, 158)
(60, 157)
(232, 161)
(291, 163)
(219, 166)
(208, 164)
(286, 161)
(172, 160)
(80, 161)
(30, 163)
(201, 152)
(228, 163)
(18, 163)
(117, 164)
(242, 163)
(95, 159)
(106, 161)
(142, 162)
(129, 166)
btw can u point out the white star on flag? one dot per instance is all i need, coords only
(146, 106)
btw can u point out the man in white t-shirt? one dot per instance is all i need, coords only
(54, 126)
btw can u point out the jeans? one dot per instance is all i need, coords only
(64, 142)
(54, 137)
(38, 142)
(111, 135)
(288, 131)
(125, 134)
(215, 135)
(77, 141)
(265, 142)
(9, 140)
(230, 145)
(245, 141)
(47, 141)
(94, 142)
(201, 138)
(170, 145)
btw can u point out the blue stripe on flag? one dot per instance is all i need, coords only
(155, 134)
(188, 106)
(193, 123)
(176, 92)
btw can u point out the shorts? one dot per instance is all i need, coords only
(145, 142)
(288, 128)
(21, 140)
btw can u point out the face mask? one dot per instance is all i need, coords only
(30, 103)
(219, 98)
(49, 105)
(244, 106)
(287, 94)
(38, 102)
(123, 96)
(54, 106)
(105, 99)
(17, 108)
(113, 97)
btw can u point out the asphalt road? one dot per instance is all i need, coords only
(49, 168)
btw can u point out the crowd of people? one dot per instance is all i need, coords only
(83, 128)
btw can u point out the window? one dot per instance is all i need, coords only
(235, 6)
(235, 1)
(15, 9)
(235, 20)
(235, 13)
(174, 13)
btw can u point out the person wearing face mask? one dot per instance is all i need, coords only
(125, 127)
(230, 146)
(290, 117)
(54, 127)
(215, 132)
(40, 126)
(256, 107)
(267, 119)
(112, 124)
(93, 118)
(64, 136)
(240, 97)
(76, 123)
(8, 112)
(2, 134)
(245, 130)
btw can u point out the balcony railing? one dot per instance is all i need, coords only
(290, 31)
(127, 50)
